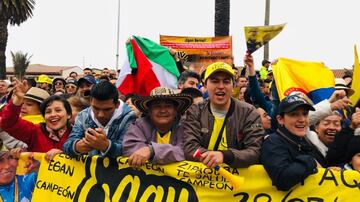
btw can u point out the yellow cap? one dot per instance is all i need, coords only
(218, 67)
(44, 79)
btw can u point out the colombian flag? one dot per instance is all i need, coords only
(311, 78)
(355, 85)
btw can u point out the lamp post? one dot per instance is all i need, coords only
(117, 38)
(267, 21)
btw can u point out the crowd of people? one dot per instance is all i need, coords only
(232, 116)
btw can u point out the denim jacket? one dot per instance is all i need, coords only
(115, 133)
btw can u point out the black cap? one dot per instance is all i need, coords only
(193, 92)
(71, 81)
(88, 78)
(265, 62)
(291, 102)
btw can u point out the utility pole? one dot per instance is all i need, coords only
(83, 62)
(267, 22)
(117, 38)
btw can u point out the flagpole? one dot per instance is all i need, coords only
(267, 22)
(117, 38)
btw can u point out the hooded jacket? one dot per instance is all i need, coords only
(114, 132)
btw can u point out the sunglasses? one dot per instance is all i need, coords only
(70, 86)
(58, 83)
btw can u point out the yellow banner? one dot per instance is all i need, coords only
(201, 51)
(104, 179)
(257, 36)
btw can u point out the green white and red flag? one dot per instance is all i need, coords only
(148, 65)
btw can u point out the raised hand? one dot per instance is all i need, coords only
(19, 91)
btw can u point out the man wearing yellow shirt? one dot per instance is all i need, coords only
(157, 137)
(223, 128)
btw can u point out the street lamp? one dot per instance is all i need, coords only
(117, 38)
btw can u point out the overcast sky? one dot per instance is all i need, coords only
(83, 32)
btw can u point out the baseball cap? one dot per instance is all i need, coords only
(218, 67)
(291, 102)
(88, 78)
(71, 81)
(265, 62)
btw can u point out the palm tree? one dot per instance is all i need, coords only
(222, 17)
(21, 62)
(14, 12)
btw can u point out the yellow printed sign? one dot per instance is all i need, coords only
(106, 179)
(201, 51)
(257, 36)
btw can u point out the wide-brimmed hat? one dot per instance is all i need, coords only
(37, 94)
(43, 79)
(183, 101)
(59, 79)
(291, 102)
(2, 153)
(340, 84)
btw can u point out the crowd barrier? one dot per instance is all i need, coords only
(105, 179)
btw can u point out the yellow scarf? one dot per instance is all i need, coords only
(35, 119)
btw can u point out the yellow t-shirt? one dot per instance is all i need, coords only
(165, 139)
(215, 133)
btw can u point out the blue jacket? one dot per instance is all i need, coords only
(115, 133)
(26, 184)
(289, 159)
(258, 96)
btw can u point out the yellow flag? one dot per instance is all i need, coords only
(303, 76)
(355, 84)
(257, 36)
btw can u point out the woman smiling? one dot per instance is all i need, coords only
(287, 156)
(39, 137)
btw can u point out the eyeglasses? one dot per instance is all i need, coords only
(58, 83)
(70, 86)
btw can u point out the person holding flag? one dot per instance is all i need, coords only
(148, 65)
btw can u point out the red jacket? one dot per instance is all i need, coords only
(33, 135)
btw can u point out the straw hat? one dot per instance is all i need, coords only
(340, 84)
(182, 101)
(37, 94)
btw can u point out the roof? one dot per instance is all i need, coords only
(42, 69)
